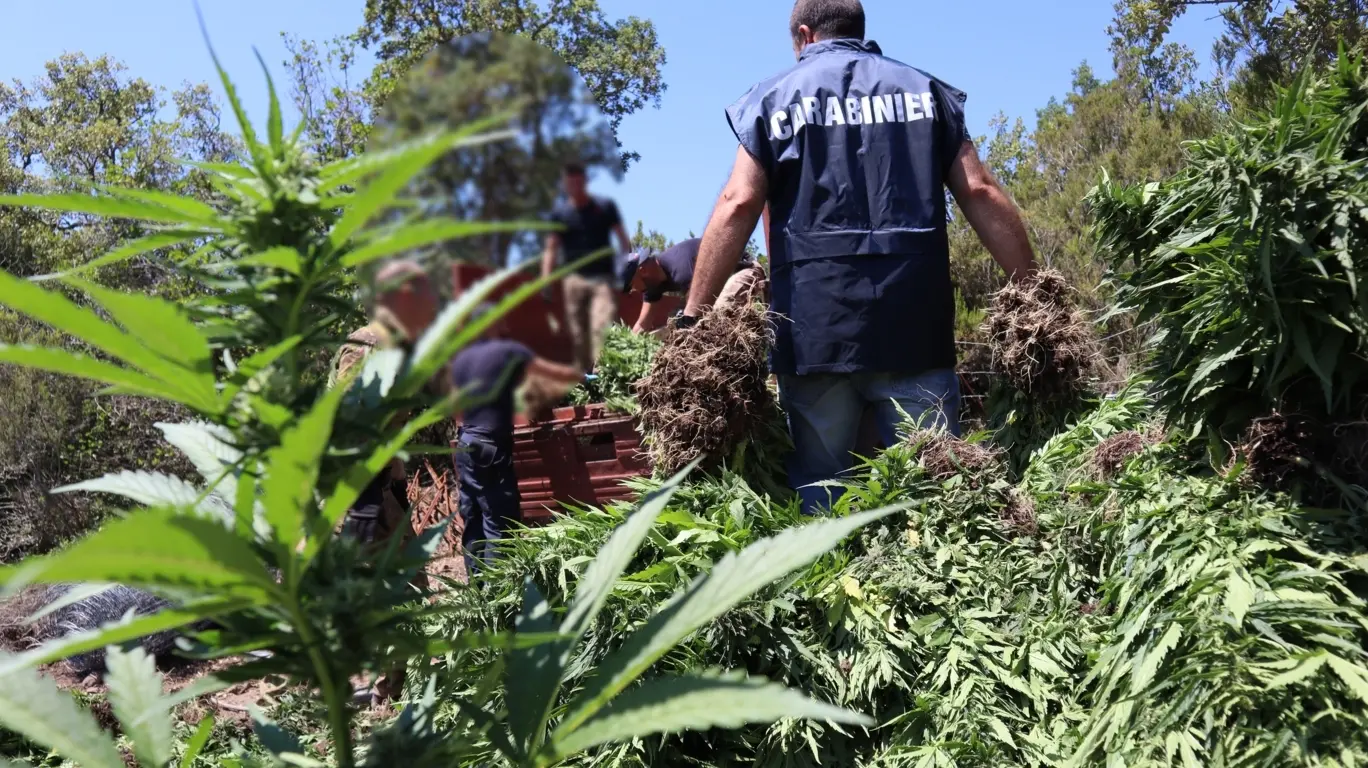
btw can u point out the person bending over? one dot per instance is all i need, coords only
(488, 372)
(670, 273)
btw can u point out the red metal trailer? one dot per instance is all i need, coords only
(538, 323)
(581, 454)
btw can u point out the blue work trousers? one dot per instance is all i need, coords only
(489, 500)
(824, 411)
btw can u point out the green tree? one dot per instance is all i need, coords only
(1161, 72)
(84, 123)
(555, 120)
(325, 86)
(1264, 43)
(620, 60)
(652, 239)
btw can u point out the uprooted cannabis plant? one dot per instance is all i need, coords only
(1251, 262)
(251, 549)
(1043, 357)
(624, 360)
(707, 395)
(1139, 609)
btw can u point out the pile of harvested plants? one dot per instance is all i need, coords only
(706, 393)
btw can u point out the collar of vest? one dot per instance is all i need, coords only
(840, 44)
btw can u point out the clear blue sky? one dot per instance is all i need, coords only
(1008, 55)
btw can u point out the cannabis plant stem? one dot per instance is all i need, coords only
(338, 721)
(292, 324)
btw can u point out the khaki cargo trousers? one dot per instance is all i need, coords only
(591, 305)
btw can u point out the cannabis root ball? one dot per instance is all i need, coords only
(943, 456)
(16, 632)
(981, 465)
(1280, 450)
(1040, 341)
(706, 392)
(1111, 455)
(1019, 514)
(1289, 448)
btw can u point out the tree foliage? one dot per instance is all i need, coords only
(555, 118)
(620, 60)
(1264, 44)
(642, 239)
(1134, 125)
(1162, 72)
(85, 122)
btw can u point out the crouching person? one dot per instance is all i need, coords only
(406, 304)
(670, 273)
(488, 373)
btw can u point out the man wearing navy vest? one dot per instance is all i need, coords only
(852, 152)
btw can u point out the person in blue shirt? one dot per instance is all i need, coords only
(589, 223)
(489, 372)
(848, 155)
(669, 273)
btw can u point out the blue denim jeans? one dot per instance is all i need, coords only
(824, 412)
(489, 501)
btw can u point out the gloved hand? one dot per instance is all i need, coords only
(590, 377)
(682, 322)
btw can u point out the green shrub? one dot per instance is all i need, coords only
(625, 360)
(54, 431)
(1251, 262)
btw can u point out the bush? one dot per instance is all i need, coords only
(37, 415)
(625, 360)
(54, 432)
(1251, 262)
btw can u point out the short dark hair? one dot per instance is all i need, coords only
(828, 18)
(573, 169)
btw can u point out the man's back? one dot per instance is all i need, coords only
(852, 141)
(492, 370)
(677, 262)
(856, 148)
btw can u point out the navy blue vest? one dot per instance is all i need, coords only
(856, 147)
